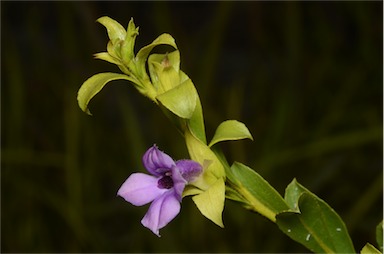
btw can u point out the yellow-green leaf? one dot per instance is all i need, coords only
(142, 55)
(129, 42)
(230, 130)
(107, 57)
(200, 152)
(114, 29)
(369, 249)
(93, 85)
(211, 202)
(181, 100)
(196, 123)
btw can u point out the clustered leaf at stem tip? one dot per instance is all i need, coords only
(120, 51)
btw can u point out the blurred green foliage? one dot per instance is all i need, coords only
(305, 77)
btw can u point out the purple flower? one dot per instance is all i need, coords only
(164, 187)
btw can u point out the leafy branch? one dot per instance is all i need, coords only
(301, 215)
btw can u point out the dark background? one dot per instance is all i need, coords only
(305, 77)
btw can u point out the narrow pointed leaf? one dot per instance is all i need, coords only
(313, 223)
(127, 48)
(107, 57)
(260, 196)
(114, 29)
(93, 85)
(230, 130)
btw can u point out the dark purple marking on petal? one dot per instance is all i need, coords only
(165, 182)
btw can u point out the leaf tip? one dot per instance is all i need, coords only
(88, 112)
(101, 19)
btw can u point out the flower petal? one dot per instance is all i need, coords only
(189, 169)
(178, 182)
(140, 189)
(162, 210)
(157, 162)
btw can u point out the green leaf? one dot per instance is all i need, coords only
(211, 202)
(114, 48)
(292, 195)
(230, 130)
(379, 235)
(181, 100)
(165, 39)
(369, 249)
(107, 57)
(313, 223)
(143, 53)
(114, 29)
(258, 194)
(93, 85)
(116, 34)
(129, 42)
(196, 122)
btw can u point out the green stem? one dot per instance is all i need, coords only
(250, 202)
